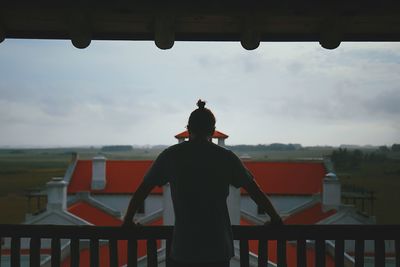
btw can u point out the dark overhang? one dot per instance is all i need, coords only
(326, 21)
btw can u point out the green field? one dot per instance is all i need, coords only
(384, 179)
(24, 169)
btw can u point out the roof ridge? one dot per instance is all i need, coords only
(86, 197)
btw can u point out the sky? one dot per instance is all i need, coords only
(132, 93)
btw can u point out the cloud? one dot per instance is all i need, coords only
(386, 102)
(132, 92)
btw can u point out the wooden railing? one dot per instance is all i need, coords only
(296, 233)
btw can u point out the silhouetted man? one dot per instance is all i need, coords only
(199, 173)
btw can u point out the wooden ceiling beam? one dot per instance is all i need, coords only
(250, 22)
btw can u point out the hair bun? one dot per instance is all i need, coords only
(201, 103)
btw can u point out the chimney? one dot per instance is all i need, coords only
(57, 194)
(328, 164)
(98, 173)
(74, 157)
(233, 203)
(331, 191)
(221, 141)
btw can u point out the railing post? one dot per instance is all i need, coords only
(397, 249)
(55, 252)
(301, 253)
(167, 253)
(132, 253)
(339, 253)
(113, 251)
(15, 251)
(34, 252)
(74, 252)
(281, 252)
(152, 253)
(320, 253)
(359, 253)
(244, 253)
(1, 243)
(379, 252)
(262, 253)
(94, 252)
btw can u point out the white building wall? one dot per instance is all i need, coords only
(152, 203)
(168, 206)
(233, 203)
(99, 178)
(283, 204)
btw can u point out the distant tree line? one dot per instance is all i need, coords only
(271, 147)
(349, 159)
(394, 148)
(119, 148)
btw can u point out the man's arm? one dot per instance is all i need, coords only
(136, 201)
(262, 201)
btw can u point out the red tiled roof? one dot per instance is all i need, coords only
(311, 215)
(288, 178)
(123, 176)
(291, 251)
(285, 178)
(217, 134)
(84, 256)
(93, 215)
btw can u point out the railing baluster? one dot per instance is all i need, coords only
(55, 252)
(379, 252)
(244, 253)
(34, 252)
(152, 253)
(339, 253)
(132, 253)
(167, 253)
(113, 251)
(281, 253)
(94, 252)
(262, 253)
(397, 249)
(320, 253)
(301, 253)
(359, 253)
(1, 243)
(74, 252)
(15, 252)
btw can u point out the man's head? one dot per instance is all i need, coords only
(201, 121)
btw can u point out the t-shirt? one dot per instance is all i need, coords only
(199, 174)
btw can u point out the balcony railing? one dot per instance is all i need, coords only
(321, 235)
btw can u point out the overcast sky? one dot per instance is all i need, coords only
(52, 94)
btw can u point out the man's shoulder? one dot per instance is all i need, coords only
(174, 149)
(222, 149)
(184, 146)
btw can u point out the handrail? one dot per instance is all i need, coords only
(287, 232)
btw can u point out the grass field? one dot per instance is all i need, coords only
(384, 179)
(25, 169)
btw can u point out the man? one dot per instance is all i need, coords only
(199, 173)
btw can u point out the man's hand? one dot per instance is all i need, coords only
(137, 199)
(276, 220)
(129, 223)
